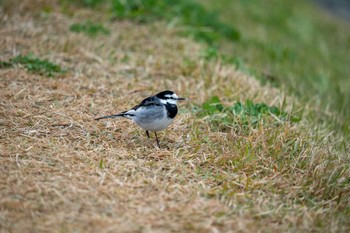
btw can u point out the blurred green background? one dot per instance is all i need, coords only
(295, 45)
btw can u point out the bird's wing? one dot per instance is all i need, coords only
(147, 102)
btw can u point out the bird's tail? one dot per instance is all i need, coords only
(123, 114)
(111, 116)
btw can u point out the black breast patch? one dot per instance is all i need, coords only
(172, 110)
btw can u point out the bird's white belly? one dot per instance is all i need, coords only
(152, 119)
(156, 125)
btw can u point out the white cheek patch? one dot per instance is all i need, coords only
(168, 101)
(171, 99)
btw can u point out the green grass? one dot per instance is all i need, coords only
(243, 115)
(33, 64)
(260, 135)
(89, 28)
(294, 45)
(191, 18)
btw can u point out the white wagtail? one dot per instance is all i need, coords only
(154, 113)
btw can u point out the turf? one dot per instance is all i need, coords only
(89, 28)
(61, 171)
(33, 64)
(297, 46)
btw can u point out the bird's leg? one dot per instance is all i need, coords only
(147, 133)
(155, 133)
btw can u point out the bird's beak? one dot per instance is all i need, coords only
(180, 98)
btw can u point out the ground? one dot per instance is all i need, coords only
(61, 171)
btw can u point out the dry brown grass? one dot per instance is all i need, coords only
(63, 172)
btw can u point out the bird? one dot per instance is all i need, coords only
(154, 113)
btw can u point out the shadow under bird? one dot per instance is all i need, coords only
(154, 113)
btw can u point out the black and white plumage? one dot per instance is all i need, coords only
(154, 113)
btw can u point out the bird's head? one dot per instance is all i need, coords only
(170, 97)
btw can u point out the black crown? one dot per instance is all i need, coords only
(162, 94)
